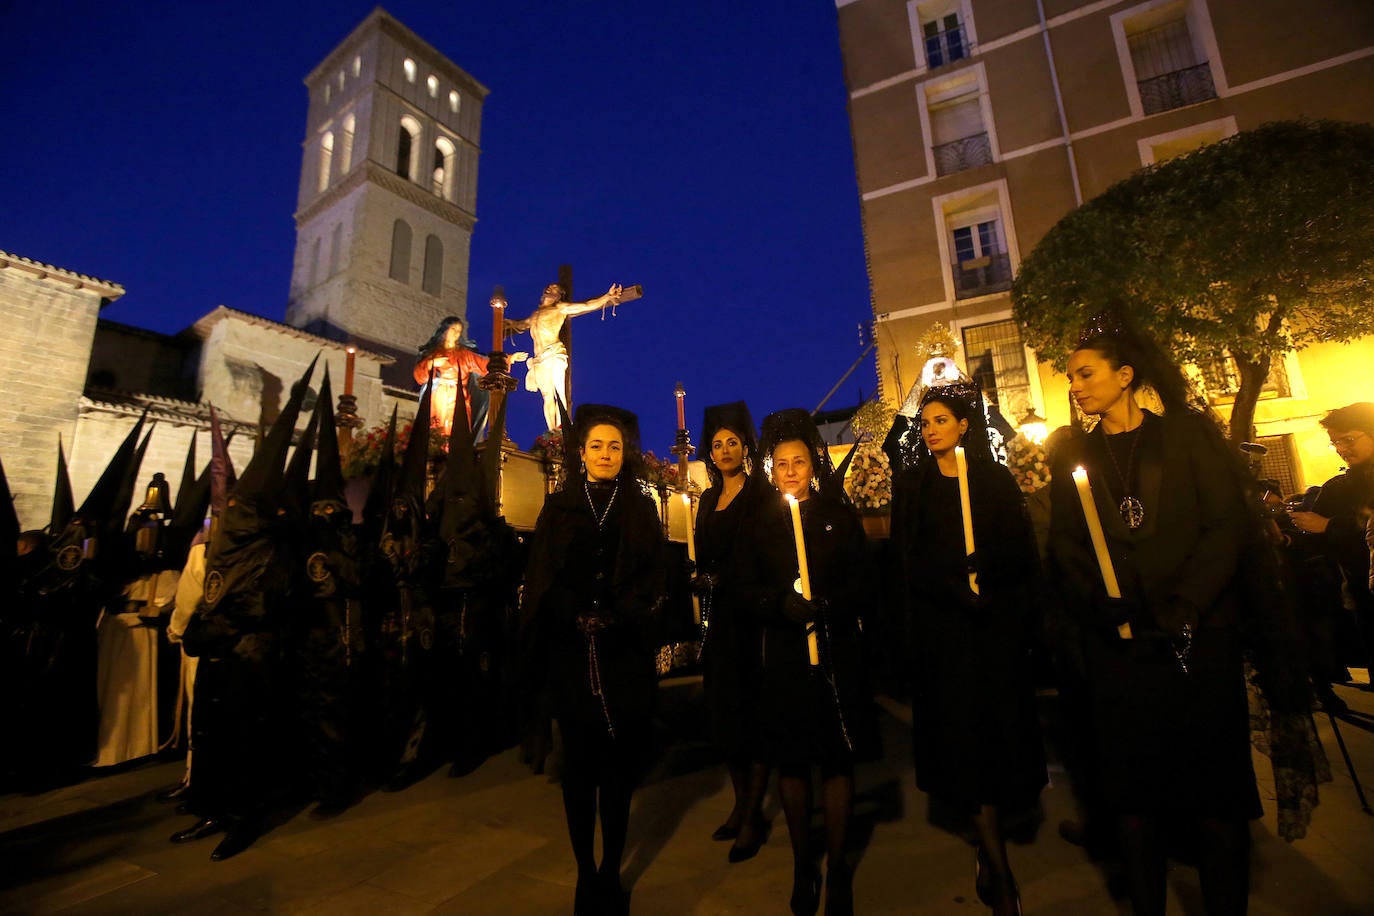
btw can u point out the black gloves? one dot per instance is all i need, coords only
(798, 610)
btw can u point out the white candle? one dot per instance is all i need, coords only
(1104, 559)
(966, 509)
(812, 649)
(692, 554)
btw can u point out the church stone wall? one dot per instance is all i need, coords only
(44, 353)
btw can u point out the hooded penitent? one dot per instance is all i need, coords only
(63, 504)
(244, 584)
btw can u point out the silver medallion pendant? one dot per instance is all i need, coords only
(1132, 512)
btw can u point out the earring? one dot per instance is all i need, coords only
(815, 484)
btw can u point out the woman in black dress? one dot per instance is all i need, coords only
(730, 638)
(1168, 704)
(978, 751)
(593, 588)
(811, 715)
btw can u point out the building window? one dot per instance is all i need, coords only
(1165, 58)
(432, 84)
(350, 122)
(326, 159)
(1280, 463)
(335, 249)
(357, 65)
(1221, 376)
(409, 67)
(408, 144)
(340, 80)
(453, 101)
(442, 175)
(957, 119)
(942, 32)
(996, 359)
(981, 264)
(400, 251)
(328, 93)
(433, 280)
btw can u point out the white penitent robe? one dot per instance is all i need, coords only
(126, 672)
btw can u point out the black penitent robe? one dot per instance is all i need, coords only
(612, 573)
(730, 651)
(811, 715)
(974, 723)
(1167, 741)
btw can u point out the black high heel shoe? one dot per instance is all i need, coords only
(839, 892)
(806, 892)
(742, 852)
(983, 879)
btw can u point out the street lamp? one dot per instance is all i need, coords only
(1033, 427)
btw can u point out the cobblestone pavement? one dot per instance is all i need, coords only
(494, 842)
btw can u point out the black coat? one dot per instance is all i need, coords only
(731, 647)
(975, 725)
(812, 715)
(614, 573)
(1166, 740)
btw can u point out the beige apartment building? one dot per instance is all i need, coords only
(977, 124)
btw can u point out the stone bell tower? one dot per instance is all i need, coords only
(388, 191)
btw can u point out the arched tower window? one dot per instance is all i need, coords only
(346, 145)
(326, 158)
(407, 147)
(442, 176)
(433, 282)
(400, 251)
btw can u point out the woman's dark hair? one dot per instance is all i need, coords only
(957, 406)
(436, 340)
(625, 422)
(1121, 344)
(1357, 416)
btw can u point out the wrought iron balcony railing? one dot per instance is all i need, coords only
(1177, 89)
(964, 153)
(990, 273)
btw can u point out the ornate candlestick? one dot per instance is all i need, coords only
(682, 445)
(346, 416)
(498, 381)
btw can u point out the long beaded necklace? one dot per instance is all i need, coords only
(594, 656)
(1131, 508)
(600, 519)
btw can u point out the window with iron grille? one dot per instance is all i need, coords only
(981, 265)
(996, 359)
(1280, 463)
(1222, 377)
(944, 40)
(1169, 71)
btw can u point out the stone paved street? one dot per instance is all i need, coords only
(493, 842)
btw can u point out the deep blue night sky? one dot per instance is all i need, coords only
(701, 149)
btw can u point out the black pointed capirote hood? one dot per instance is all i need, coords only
(101, 504)
(188, 474)
(9, 518)
(379, 494)
(295, 498)
(491, 457)
(262, 481)
(63, 505)
(460, 468)
(222, 477)
(328, 466)
(411, 484)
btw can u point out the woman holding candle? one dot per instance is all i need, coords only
(814, 708)
(970, 560)
(730, 637)
(593, 588)
(1164, 660)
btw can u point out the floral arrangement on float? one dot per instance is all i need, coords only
(660, 472)
(366, 453)
(869, 481)
(549, 446)
(1028, 463)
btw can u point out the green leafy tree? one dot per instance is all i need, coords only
(1255, 246)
